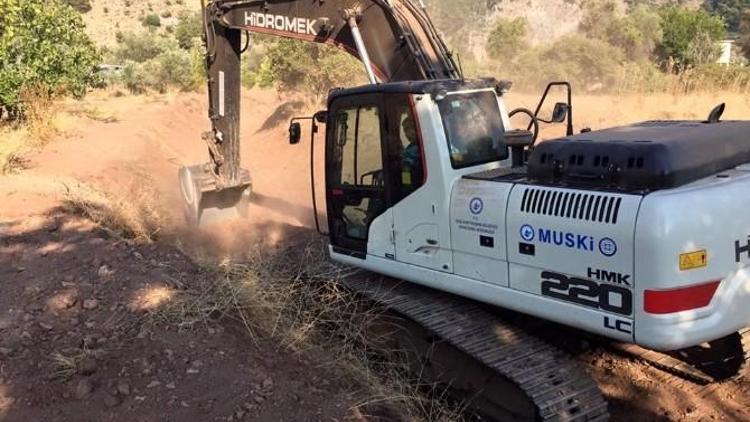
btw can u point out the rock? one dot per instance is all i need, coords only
(84, 388)
(267, 384)
(104, 272)
(184, 404)
(90, 304)
(46, 326)
(171, 386)
(4, 351)
(192, 371)
(68, 278)
(111, 400)
(5, 324)
(153, 384)
(123, 388)
(68, 301)
(27, 317)
(87, 366)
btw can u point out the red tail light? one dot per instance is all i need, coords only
(678, 300)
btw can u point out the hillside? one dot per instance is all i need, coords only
(464, 22)
(108, 17)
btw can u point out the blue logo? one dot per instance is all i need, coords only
(577, 241)
(527, 233)
(476, 206)
(608, 247)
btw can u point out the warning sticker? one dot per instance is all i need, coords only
(693, 260)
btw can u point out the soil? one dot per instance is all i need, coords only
(69, 289)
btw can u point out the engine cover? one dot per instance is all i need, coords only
(643, 157)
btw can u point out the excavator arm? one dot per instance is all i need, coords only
(394, 39)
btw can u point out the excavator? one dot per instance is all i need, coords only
(638, 233)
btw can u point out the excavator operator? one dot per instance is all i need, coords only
(411, 157)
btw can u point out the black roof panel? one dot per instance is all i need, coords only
(642, 157)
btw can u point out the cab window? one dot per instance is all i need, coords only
(405, 149)
(474, 128)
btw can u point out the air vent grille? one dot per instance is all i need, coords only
(574, 205)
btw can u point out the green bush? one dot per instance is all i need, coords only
(730, 10)
(43, 46)
(745, 34)
(155, 62)
(291, 65)
(690, 37)
(590, 62)
(637, 33)
(507, 39)
(152, 21)
(141, 47)
(189, 28)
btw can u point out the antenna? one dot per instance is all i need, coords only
(460, 68)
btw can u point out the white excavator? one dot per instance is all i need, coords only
(636, 233)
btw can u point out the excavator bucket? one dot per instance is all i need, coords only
(205, 200)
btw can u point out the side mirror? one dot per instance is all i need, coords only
(560, 112)
(321, 116)
(295, 133)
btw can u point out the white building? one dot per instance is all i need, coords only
(726, 51)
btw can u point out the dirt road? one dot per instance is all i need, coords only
(78, 339)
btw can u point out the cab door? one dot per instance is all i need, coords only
(356, 188)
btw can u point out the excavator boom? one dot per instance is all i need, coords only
(395, 40)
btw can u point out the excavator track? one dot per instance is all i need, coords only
(559, 388)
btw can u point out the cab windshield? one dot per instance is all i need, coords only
(474, 128)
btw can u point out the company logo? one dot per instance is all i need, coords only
(577, 241)
(609, 276)
(608, 247)
(569, 240)
(527, 233)
(476, 206)
(281, 23)
(739, 250)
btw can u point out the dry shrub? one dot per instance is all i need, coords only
(295, 296)
(135, 217)
(12, 148)
(39, 111)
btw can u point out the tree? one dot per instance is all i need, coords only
(690, 37)
(745, 34)
(730, 10)
(507, 39)
(299, 66)
(43, 47)
(637, 33)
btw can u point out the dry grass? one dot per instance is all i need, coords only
(135, 217)
(12, 150)
(294, 295)
(603, 111)
(66, 366)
